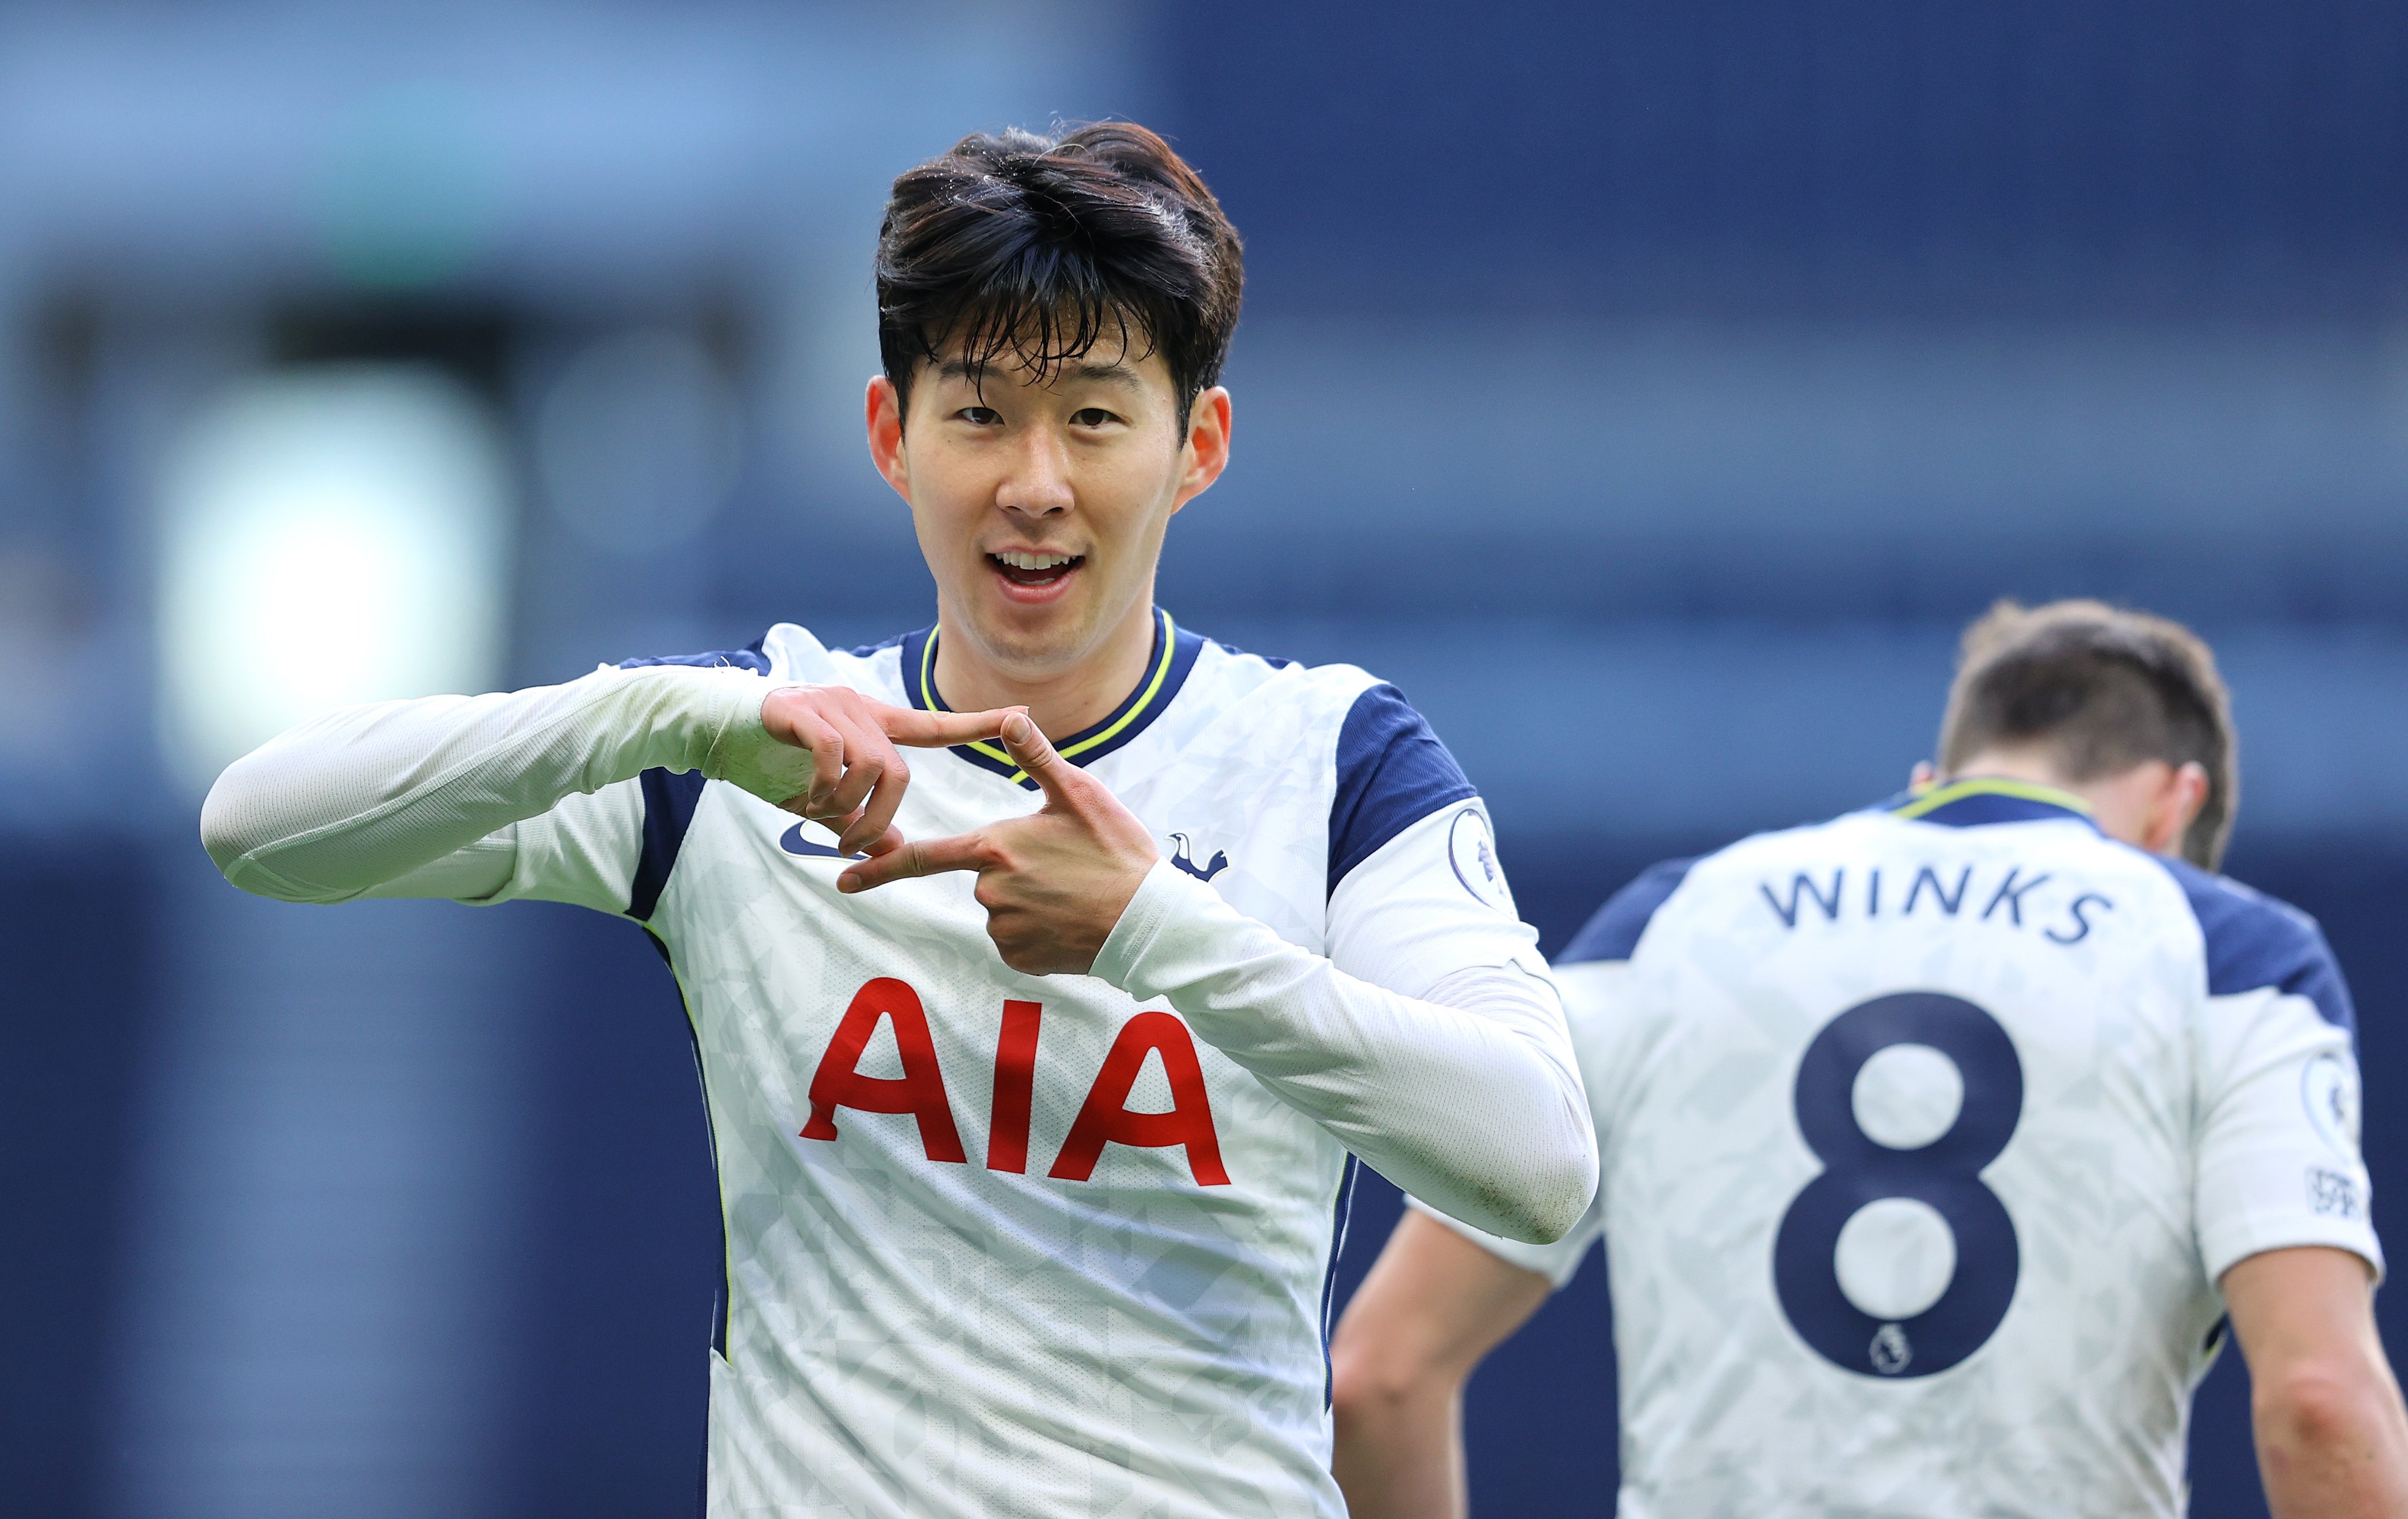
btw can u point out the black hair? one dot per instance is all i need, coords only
(1043, 248)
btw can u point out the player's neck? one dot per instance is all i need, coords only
(1060, 700)
(2026, 765)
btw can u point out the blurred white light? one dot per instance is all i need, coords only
(328, 536)
(638, 440)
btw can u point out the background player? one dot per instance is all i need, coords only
(1938, 1141)
(1032, 1170)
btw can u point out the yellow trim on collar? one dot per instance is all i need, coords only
(996, 751)
(1940, 796)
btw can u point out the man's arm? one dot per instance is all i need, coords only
(367, 797)
(2283, 1206)
(1467, 1097)
(1432, 1308)
(2333, 1435)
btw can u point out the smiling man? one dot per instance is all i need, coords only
(1034, 1145)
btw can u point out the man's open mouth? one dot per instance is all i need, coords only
(1027, 568)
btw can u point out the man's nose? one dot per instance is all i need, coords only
(1039, 484)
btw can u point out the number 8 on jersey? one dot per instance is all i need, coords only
(1944, 1174)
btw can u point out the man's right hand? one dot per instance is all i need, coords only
(858, 775)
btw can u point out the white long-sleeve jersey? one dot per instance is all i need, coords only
(1001, 1244)
(1928, 1133)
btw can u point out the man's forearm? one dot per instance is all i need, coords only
(1399, 1451)
(1433, 1307)
(1468, 1099)
(2329, 1447)
(362, 797)
(2332, 1437)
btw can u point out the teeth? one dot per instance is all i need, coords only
(1034, 561)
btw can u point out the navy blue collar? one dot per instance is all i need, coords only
(1166, 671)
(1980, 801)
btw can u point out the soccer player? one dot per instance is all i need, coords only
(1034, 1140)
(1941, 1142)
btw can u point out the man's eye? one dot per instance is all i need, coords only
(1091, 416)
(980, 416)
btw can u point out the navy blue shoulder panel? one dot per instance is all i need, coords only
(670, 798)
(747, 658)
(1613, 931)
(2255, 941)
(670, 801)
(1271, 660)
(1392, 772)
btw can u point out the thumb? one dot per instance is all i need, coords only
(1054, 776)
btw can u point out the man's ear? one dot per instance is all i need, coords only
(2177, 803)
(882, 409)
(1207, 448)
(1921, 776)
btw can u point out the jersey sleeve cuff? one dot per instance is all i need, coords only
(1559, 1261)
(2229, 1247)
(733, 745)
(1140, 953)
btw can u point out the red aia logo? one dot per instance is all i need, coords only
(1104, 1117)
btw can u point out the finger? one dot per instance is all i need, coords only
(850, 839)
(1035, 754)
(827, 764)
(922, 857)
(878, 815)
(939, 730)
(868, 756)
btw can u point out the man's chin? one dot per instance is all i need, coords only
(1033, 640)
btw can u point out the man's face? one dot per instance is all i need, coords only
(1042, 508)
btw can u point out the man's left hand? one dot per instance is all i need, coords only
(1054, 883)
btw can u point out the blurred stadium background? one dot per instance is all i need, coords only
(1650, 389)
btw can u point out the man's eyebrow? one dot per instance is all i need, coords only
(1109, 374)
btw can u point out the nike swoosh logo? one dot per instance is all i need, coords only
(793, 842)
